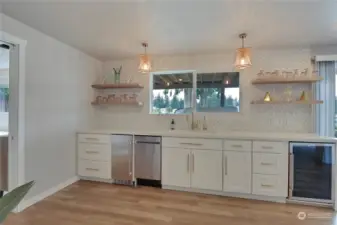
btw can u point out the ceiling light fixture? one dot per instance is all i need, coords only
(242, 60)
(144, 61)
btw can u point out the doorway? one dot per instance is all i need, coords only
(16, 110)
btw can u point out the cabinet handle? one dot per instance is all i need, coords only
(188, 162)
(225, 165)
(92, 139)
(267, 185)
(193, 162)
(91, 169)
(92, 152)
(266, 164)
(267, 147)
(195, 144)
(237, 146)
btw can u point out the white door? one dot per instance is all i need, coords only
(15, 156)
(176, 167)
(237, 174)
(206, 169)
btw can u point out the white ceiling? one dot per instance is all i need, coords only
(116, 29)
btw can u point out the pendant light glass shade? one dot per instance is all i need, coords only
(242, 59)
(144, 61)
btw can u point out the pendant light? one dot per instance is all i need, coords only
(242, 60)
(144, 61)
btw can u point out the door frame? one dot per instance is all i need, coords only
(17, 156)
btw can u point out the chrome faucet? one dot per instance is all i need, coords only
(193, 124)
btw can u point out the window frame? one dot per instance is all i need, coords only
(194, 90)
(151, 97)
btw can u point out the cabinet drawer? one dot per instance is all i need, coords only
(96, 169)
(269, 185)
(237, 145)
(94, 138)
(264, 163)
(97, 152)
(192, 143)
(270, 147)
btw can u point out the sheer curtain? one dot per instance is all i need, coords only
(325, 90)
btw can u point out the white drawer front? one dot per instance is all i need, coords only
(192, 143)
(94, 138)
(264, 163)
(270, 147)
(269, 185)
(96, 169)
(237, 145)
(96, 152)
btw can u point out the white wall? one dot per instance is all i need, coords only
(324, 50)
(279, 118)
(57, 104)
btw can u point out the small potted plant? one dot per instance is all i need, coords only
(9, 201)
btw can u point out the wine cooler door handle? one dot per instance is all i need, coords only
(291, 174)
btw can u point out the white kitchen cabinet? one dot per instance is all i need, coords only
(176, 167)
(95, 169)
(270, 168)
(94, 156)
(270, 185)
(237, 172)
(206, 169)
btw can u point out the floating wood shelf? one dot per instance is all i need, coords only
(312, 102)
(113, 86)
(286, 81)
(118, 103)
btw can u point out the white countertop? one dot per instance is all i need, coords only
(3, 133)
(272, 136)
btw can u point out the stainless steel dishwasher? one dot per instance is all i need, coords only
(148, 160)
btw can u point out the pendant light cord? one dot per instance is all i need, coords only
(144, 44)
(243, 36)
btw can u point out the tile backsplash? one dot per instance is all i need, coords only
(259, 118)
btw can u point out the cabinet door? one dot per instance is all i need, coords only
(237, 172)
(176, 167)
(206, 169)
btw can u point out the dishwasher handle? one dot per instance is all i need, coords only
(148, 142)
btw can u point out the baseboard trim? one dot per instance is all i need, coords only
(228, 194)
(33, 200)
(110, 181)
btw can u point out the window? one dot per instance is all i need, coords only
(218, 92)
(172, 93)
(326, 91)
(4, 97)
(182, 92)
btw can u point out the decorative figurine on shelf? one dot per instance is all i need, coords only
(260, 75)
(133, 98)
(111, 98)
(275, 73)
(267, 97)
(314, 73)
(296, 74)
(118, 99)
(288, 93)
(99, 99)
(124, 98)
(304, 73)
(304, 96)
(117, 73)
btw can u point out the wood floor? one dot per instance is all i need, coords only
(91, 203)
